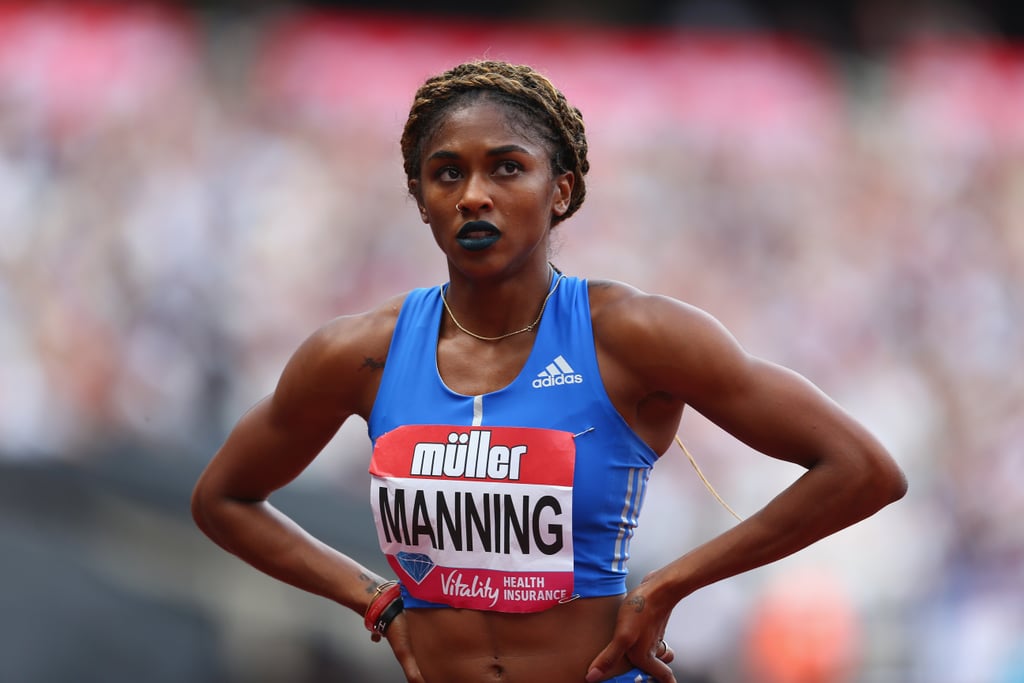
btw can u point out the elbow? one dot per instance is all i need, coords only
(882, 480)
(197, 506)
(207, 513)
(864, 479)
(889, 476)
(897, 483)
(201, 504)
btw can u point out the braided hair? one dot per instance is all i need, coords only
(531, 100)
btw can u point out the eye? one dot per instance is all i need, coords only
(508, 167)
(448, 173)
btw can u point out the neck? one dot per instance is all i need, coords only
(492, 314)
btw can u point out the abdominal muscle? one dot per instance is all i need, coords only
(553, 646)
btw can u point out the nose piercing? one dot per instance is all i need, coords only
(458, 207)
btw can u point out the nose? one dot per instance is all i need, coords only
(476, 196)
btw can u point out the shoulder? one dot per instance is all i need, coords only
(667, 344)
(338, 366)
(619, 309)
(367, 333)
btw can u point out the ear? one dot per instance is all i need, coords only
(563, 193)
(414, 190)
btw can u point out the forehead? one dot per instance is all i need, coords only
(486, 122)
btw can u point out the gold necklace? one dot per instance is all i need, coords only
(528, 328)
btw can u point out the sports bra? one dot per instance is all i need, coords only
(513, 500)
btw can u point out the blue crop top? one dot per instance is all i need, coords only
(513, 500)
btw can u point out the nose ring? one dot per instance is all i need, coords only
(458, 207)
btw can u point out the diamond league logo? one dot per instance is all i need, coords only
(416, 565)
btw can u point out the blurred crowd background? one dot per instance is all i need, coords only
(187, 191)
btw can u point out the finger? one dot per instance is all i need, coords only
(656, 668)
(664, 652)
(411, 671)
(654, 660)
(605, 659)
(398, 639)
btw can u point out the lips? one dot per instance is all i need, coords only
(477, 235)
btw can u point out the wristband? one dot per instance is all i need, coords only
(394, 608)
(385, 605)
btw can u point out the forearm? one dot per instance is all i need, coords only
(265, 538)
(827, 498)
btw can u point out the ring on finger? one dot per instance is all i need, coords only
(661, 649)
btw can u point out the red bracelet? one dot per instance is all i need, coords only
(385, 605)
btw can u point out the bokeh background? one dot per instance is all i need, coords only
(188, 190)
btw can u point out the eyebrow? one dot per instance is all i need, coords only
(497, 151)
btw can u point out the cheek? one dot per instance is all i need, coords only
(430, 203)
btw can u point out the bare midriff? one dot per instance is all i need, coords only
(553, 646)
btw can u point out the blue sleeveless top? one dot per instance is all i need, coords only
(559, 388)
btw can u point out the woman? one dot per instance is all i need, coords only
(516, 413)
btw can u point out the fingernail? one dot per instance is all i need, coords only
(594, 675)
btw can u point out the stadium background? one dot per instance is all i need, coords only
(187, 190)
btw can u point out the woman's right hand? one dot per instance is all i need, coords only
(398, 638)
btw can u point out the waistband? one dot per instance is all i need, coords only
(631, 676)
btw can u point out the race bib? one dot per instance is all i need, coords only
(477, 517)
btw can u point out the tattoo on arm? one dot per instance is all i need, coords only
(637, 602)
(373, 363)
(371, 583)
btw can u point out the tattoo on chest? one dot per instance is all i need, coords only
(372, 363)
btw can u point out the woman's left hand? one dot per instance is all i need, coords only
(639, 638)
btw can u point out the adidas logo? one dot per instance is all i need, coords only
(557, 373)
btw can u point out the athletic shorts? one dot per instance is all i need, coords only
(631, 676)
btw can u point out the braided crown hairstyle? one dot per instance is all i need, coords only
(531, 100)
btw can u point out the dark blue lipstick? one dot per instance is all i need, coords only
(477, 235)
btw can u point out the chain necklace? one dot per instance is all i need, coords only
(528, 328)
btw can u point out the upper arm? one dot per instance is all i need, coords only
(679, 351)
(332, 375)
